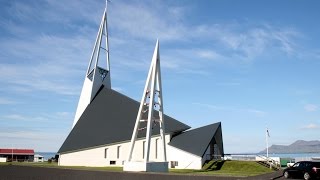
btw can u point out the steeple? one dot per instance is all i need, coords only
(151, 103)
(98, 72)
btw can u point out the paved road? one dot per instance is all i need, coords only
(12, 172)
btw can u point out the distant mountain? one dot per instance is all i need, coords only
(299, 146)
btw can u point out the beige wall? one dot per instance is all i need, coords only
(96, 156)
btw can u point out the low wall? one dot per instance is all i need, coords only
(3, 159)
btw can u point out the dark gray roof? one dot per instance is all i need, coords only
(195, 141)
(110, 118)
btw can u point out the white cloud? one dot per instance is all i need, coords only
(311, 126)
(19, 117)
(249, 42)
(140, 20)
(40, 117)
(54, 11)
(311, 107)
(208, 54)
(50, 63)
(232, 109)
(39, 140)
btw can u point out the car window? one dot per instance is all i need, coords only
(296, 165)
(302, 164)
(308, 164)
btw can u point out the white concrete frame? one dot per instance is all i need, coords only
(151, 101)
(96, 76)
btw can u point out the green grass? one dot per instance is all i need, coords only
(228, 168)
(55, 165)
(216, 168)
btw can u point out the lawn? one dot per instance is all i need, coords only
(228, 168)
(55, 165)
(216, 168)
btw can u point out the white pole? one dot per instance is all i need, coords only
(11, 153)
(267, 142)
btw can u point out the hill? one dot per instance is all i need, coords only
(299, 146)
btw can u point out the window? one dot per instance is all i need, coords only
(106, 153)
(112, 162)
(296, 165)
(143, 148)
(174, 164)
(118, 152)
(156, 149)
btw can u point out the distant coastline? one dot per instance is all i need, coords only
(298, 147)
(294, 155)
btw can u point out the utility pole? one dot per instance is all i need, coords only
(267, 142)
(11, 153)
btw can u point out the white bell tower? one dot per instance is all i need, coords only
(98, 72)
(151, 102)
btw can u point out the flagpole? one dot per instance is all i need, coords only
(11, 153)
(267, 143)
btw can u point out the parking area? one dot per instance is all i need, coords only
(12, 172)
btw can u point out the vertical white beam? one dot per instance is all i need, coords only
(161, 113)
(150, 113)
(96, 43)
(99, 45)
(107, 36)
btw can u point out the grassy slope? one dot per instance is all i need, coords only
(229, 168)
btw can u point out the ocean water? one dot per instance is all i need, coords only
(298, 155)
(46, 155)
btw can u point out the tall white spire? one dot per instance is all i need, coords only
(150, 103)
(98, 71)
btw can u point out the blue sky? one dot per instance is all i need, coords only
(248, 64)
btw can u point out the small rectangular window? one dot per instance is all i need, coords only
(143, 148)
(174, 164)
(118, 152)
(112, 162)
(156, 148)
(106, 153)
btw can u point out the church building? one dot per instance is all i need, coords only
(105, 119)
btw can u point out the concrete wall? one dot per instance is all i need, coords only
(96, 156)
(184, 159)
(116, 153)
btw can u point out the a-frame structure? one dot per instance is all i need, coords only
(151, 103)
(98, 73)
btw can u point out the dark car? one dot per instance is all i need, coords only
(303, 169)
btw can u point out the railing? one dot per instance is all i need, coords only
(246, 157)
(240, 157)
(271, 162)
(213, 157)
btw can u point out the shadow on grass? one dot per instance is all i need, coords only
(215, 166)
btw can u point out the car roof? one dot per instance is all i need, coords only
(317, 163)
